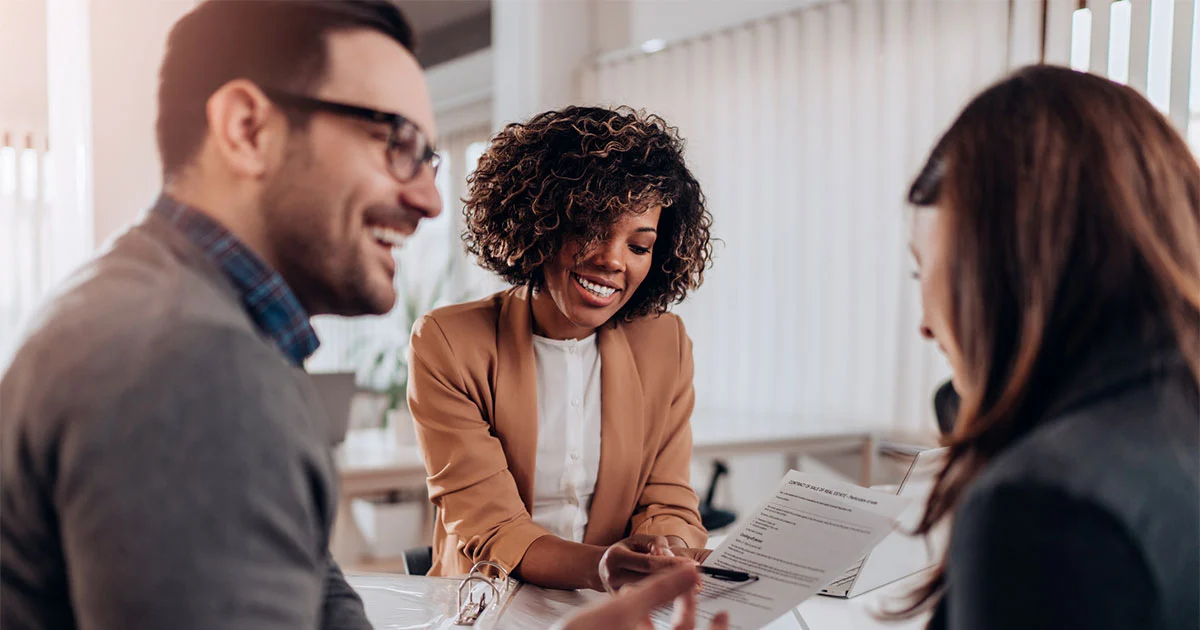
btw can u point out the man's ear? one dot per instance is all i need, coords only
(246, 128)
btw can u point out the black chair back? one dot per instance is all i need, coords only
(711, 517)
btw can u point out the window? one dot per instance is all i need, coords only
(26, 270)
(1159, 39)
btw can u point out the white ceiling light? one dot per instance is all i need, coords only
(653, 45)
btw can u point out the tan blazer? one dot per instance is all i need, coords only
(472, 390)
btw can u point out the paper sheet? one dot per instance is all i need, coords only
(406, 602)
(803, 538)
(535, 607)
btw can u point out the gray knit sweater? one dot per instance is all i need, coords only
(162, 465)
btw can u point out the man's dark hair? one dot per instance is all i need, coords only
(276, 43)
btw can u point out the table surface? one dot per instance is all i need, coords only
(822, 612)
(395, 598)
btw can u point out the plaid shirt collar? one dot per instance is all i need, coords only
(267, 298)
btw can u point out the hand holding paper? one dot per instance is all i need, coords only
(804, 536)
(634, 558)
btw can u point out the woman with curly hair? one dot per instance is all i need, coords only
(554, 417)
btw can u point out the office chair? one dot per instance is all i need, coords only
(945, 406)
(711, 517)
(418, 560)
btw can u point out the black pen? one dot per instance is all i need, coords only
(726, 574)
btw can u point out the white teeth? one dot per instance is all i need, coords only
(599, 290)
(389, 236)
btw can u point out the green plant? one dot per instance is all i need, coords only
(382, 354)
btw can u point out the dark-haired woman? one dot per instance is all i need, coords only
(554, 417)
(1057, 239)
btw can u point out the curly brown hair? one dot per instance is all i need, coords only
(570, 175)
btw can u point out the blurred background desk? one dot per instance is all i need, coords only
(792, 447)
(384, 506)
(374, 465)
(757, 449)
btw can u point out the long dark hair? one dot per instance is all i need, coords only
(1073, 216)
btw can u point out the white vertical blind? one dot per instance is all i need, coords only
(804, 130)
(1059, 18)
(1139, 45)
(1181, 63)
(1101, 14)
(1147, 44)
(1025, 33)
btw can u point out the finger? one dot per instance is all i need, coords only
(645, 563)
(646, 543)
(698, 555)
(720, 622)
(659, 590)
(660, 546)
(685, 611)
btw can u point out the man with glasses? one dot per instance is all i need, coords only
(165, 461)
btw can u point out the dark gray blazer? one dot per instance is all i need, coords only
(1092, 520)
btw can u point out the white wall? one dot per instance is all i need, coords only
(23, 66)
(679, 19)
(619, 25)
(611, 24)
(84, 72)
(461, 91)
(128, 40)
(538, 48)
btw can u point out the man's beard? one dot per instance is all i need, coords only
(327, 278)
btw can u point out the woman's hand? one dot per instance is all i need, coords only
(679, 547)
(635, 558)
(631, 608)
(698, 555)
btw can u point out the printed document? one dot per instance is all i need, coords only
(806, 535)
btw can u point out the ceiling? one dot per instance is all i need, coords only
(448, 29)
(431, 15)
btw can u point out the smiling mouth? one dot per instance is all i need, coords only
(598, 290)
(389, 237)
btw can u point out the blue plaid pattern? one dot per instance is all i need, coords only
(267, 298)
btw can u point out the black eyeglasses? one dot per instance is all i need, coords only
(407, 147)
